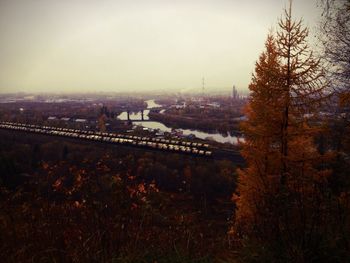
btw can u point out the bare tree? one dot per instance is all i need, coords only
(335, 37)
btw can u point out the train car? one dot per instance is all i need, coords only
(208, 153)
(129, 141)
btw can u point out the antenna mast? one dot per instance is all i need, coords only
(203, 83)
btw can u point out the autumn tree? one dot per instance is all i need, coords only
(102, 123)
(302, 83)
(335, 39)
(281, 199)
(262, 133)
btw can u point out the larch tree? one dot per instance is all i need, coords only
(281, 193)
(302, 83)
(335, 39)
(262, 140)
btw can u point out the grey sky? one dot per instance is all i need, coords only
(106, 45)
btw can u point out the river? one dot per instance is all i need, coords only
(158, 125)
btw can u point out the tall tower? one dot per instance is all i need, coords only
(234, 93)
(203, 84)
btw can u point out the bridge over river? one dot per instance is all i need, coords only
(192, 148)
(139, 116)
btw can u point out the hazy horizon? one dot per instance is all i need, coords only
(118, 46)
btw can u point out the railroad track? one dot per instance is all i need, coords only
(177, 146)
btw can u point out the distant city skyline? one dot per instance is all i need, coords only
(120, 46)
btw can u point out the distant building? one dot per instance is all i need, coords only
(51, 118)
(235, 94)
(214, 105)
(80, 120)
(65, 119)
(179, 106)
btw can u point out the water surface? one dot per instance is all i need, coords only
(158, 125)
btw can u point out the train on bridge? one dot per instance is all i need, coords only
(178, 146)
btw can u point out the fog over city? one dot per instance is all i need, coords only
(117, 46)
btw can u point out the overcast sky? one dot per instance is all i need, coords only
(115, 45)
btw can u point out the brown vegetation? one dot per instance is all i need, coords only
(67, 202)
(287, 207)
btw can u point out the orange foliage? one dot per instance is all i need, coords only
(280, 192)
